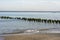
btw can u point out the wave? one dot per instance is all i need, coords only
(32, 31)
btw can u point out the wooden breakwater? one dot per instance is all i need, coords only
(42, 20)
(33, 19)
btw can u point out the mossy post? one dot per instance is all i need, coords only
(49, 21)
(24, 18)
(33, 19)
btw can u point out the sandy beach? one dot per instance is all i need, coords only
(32, 37)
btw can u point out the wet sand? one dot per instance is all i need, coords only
(34, 37)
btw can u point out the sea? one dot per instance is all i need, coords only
(10, 26)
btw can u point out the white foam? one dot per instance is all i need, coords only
(31, 31)
(53, 31)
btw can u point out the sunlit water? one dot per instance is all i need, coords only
(14, 25)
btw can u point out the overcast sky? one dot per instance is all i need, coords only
(29, 5)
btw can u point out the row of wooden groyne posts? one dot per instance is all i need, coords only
(33, 19)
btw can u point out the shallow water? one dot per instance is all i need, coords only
(13, 25)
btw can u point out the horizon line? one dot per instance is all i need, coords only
(29, 11)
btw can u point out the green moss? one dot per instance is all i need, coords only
(33, 19)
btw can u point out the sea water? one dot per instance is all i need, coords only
(14, 25)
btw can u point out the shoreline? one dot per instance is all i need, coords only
(32, 31)
(14, 34)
